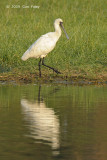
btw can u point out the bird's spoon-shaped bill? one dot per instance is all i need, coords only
(61, 24)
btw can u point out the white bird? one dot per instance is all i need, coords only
(45, 44)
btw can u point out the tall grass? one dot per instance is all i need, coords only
(84, 53)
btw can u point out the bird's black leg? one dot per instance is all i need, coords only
(50, 67)
(39, 64)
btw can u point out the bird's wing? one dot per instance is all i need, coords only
(42, 46)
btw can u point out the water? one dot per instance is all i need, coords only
(53, 122)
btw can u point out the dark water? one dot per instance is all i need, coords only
(53, 122)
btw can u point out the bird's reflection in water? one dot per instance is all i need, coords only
(42, 122)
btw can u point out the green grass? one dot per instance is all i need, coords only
(85, 53)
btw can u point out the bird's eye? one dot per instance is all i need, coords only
(60, 22)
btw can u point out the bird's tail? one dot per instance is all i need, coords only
(25, 55)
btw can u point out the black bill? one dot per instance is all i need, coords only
(64, 30)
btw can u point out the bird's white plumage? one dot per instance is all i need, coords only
(45, 44)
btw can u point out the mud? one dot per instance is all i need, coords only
(53, 79)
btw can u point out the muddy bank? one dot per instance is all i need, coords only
(55, 79)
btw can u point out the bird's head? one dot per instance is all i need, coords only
(59, 22)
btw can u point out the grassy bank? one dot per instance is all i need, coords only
(85, 54)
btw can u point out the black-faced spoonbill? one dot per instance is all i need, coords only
(45, 44)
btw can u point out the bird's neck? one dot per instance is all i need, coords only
(57, 30)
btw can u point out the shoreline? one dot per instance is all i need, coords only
(52, 79)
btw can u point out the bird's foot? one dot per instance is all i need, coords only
(56, 71)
